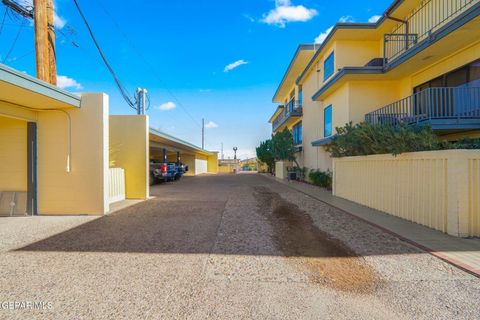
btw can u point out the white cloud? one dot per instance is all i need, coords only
(346, 19)
(64, 82)
(234, 65)
(211, 125)
(285, 12)
(374, 19)
(167, 106)
(58, 21)
(322, 36)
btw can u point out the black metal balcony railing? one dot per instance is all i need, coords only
(420, 24)
(430, 104)
(292, 108)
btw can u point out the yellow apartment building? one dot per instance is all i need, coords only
(419, 64)
(62, 153)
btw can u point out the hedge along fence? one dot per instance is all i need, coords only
(438, 189)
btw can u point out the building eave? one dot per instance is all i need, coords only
(21, 80)
(183, 143)
(300, 48)
(343, 72)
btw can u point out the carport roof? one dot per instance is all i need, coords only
(182, 144)
(23, 90)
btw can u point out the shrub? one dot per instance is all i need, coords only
(365, 139)
(467, 143)
(321, 178)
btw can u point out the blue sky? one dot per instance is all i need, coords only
(187, 46)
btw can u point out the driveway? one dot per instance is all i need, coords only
(228, 247)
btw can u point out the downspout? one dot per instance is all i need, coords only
(405, 22)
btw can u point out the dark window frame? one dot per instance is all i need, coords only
(297, 133)
(332, 67)
(330, 131)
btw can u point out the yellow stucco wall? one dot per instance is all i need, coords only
(212, 163)
(353, 53)
(368, 96)
(189, 160)
(129, 149)
(313, 157)
(13, 154)
(82, 187)
(438, 189)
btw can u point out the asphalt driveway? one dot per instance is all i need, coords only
(226, 247)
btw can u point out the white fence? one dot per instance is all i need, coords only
(117, 185)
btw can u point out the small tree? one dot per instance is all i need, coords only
(283, 147)
(265, 154)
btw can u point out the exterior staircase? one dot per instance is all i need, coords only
(13, 203)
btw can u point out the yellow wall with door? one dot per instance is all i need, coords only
(13, 154)
(81, 186)
(129, 149)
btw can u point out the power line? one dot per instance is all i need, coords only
(122, 90)
(148, 64)
(3, 19)
(14, 41)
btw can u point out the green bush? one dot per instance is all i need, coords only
(321, 178)
(467, 143)
(366, 139)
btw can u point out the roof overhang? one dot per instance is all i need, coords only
(163, 140)
(346, 74)
(362, 31)
(300, 59)
(23, 90)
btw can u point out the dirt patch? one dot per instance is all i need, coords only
(324, 259)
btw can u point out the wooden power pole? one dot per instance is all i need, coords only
(52, 59)
(40, 18)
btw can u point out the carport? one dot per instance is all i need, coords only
(166, 148)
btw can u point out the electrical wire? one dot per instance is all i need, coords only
(14, 41)
(3, 19)
(122, 90)
(150, 67)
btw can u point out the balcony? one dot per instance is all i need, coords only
(444, 109)
(421, 24)
(291, 111)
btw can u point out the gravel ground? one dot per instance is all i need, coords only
(227, 247)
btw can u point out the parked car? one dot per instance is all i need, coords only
(162, 172)
(181, 169)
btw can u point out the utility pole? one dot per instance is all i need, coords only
(52, 57)
(43, 19)
(222, 157)
(235, 160)
(41, 39)
(203, 133)
(141, 100)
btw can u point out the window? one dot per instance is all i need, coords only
(300, 97)
(468, 76)
(328, 66)
(297, 134)
(327, 121)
